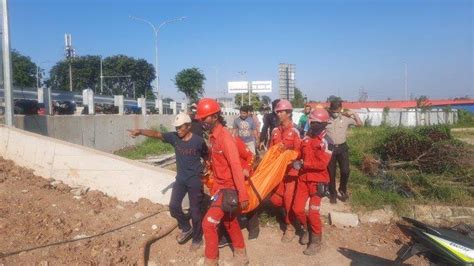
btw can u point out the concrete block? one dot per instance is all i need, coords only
(463, 211)
(441, 212)
(423, 213)
(378, 217)
(341, 219)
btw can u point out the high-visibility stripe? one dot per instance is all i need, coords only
(462, 252)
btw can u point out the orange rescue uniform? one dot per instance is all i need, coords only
(283, 196)
(316, 157)
(227, 174)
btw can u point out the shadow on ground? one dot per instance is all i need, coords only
(359, 258)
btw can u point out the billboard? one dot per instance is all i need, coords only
(237, 86)
(243, 86)
(262, 86)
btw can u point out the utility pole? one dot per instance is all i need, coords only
(249, 84)
(406, 82)
(70, 54)
(101, 77)
(37, 77)
(70, 75)
(242, 74)
(7, 65)
(133, 86)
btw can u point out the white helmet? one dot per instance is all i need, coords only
(181, 119)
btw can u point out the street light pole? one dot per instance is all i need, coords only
(406, 82)
(242, 74)
(156, 31)
(38, 81)
(7, 65)
(101, 77)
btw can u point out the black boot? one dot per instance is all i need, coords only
(304, 240)
(314, 245)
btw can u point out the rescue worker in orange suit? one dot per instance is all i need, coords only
(228, 189)
(313, 179)
(289, 138)
(246, 160)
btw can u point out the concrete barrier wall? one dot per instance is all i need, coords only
(103, 132)
(76, 165)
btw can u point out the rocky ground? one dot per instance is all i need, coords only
(36, 212)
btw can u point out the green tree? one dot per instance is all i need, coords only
(266, 100)
(141, 75)
(298, 101)
(24, 70)
(190, 81)
(254, 100)
(86, 75)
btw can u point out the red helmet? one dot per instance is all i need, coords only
(283, 105)
(319, 115)
(207, 107)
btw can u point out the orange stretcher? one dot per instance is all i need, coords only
(267, 176)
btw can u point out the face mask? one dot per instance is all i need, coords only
(316, 129)
(206, 126)
(335, 115)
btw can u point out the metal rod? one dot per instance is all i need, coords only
(250, 90)
(37, 77)
(7, 65)
(406, 82)
(101, 77)
(70, 75)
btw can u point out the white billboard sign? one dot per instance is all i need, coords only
(237, 86)
(262, 86)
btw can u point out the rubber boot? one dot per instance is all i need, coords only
(304, 238)
(240, 256)
(289, 234)
(314, 245)
(210, 262)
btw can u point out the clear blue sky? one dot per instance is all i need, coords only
(337, 46)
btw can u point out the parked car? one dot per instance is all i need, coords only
(64, 107)
(132, 109)
(101, 108)
(25, 107)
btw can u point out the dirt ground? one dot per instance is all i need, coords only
(37, 212)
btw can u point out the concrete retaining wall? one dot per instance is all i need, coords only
(102, 132)
(76, 165)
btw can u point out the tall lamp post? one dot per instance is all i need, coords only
(38, 69)
(156, 31)
(242, 74)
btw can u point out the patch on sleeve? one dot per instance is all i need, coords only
(212, 220)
